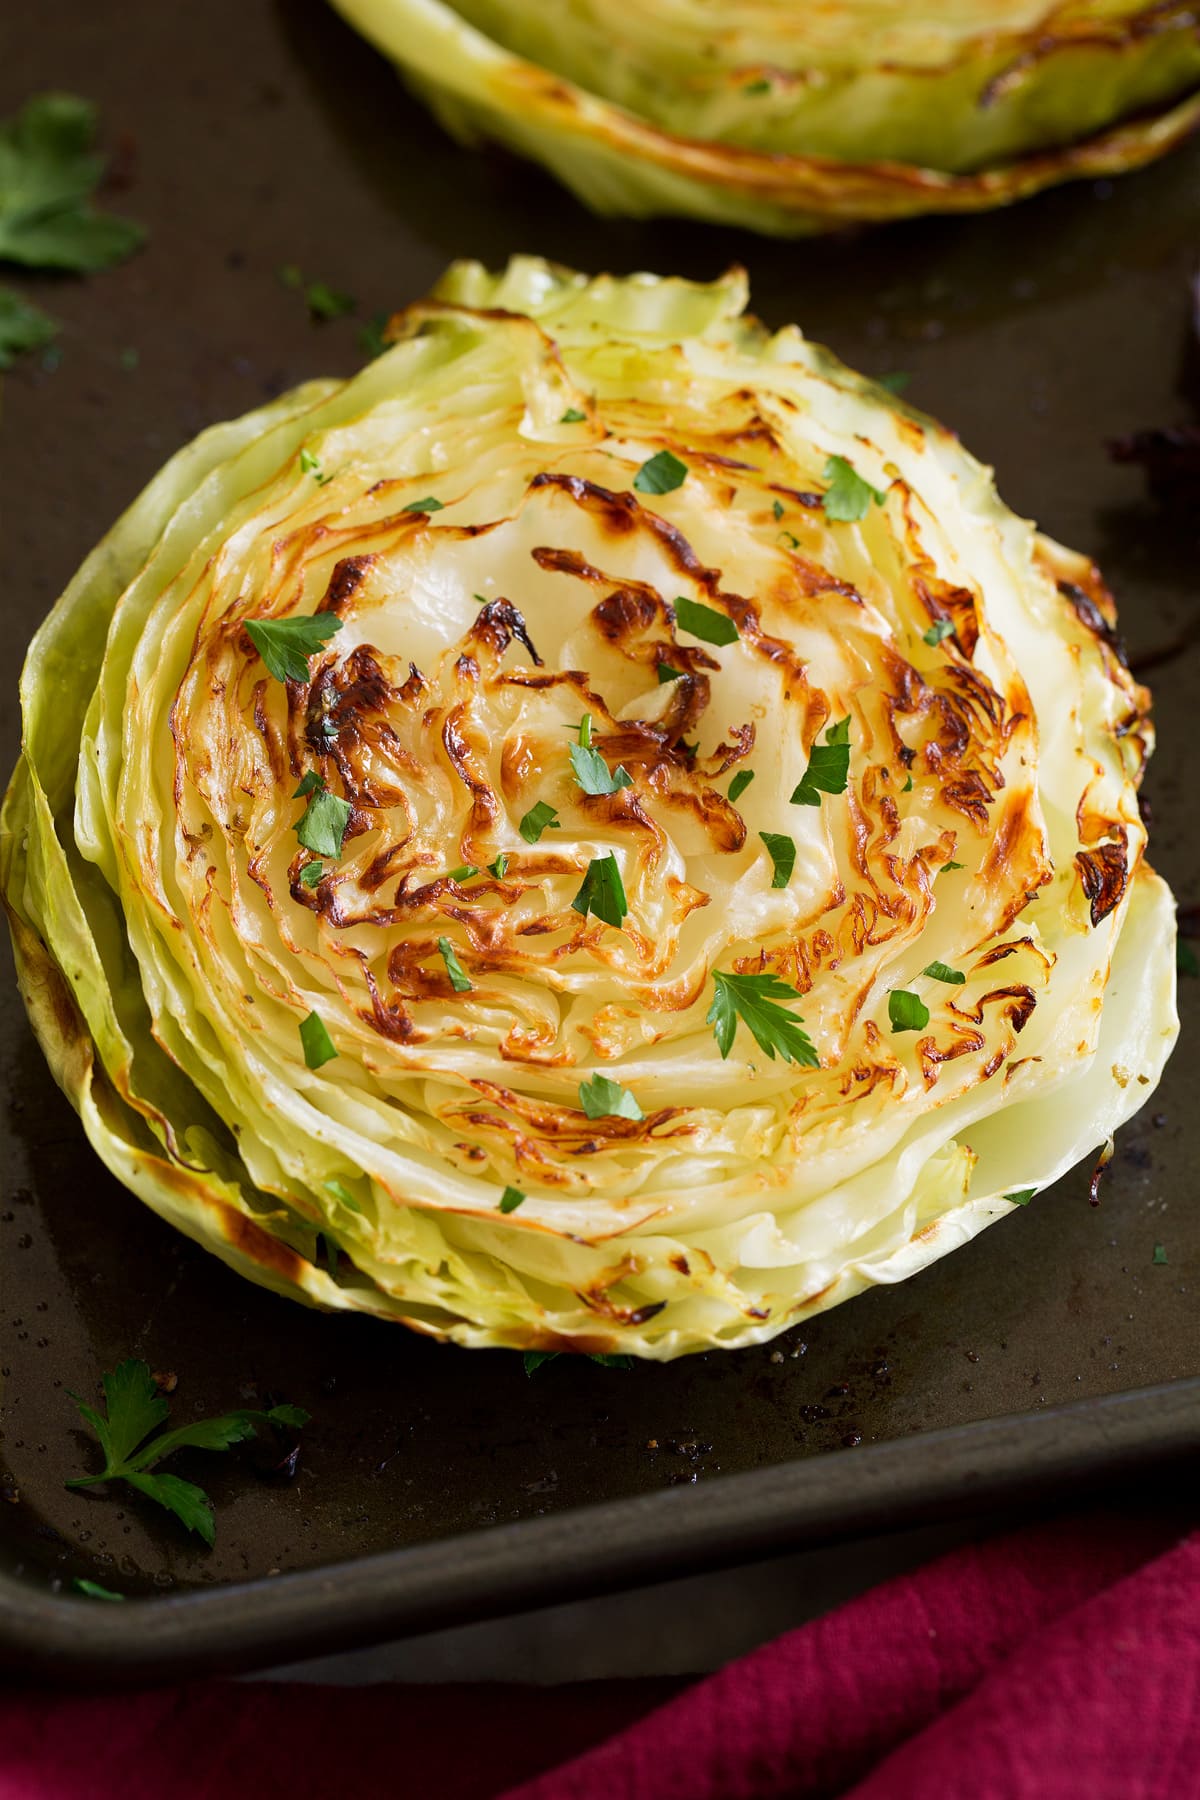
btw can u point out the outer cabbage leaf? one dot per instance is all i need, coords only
(170, 946)
(792, 119)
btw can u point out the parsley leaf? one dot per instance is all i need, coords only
(23, 326)
(782, 851)
(940, 971)
(895, 382)
(740, 783)
(907, 788)
(761, 86)
(460, 981)
(705, 622)
(828, 767)
(667, 673)
(312, 783)
(285, 645)
(427, 505)
(907, 1012)
(325, 821)
(342, 1195)
(372, 340)
(573, 416)
(311, 873)
(848, 497)
(325, 302)
(777, 509)
(662, 474)
(591, 771)
(510, 1199)
(539, 818)
(534, 1360)
(93, 1590)
(316, 1042)
(1022, 1197)
(464, 872)
(500, 866)
(48, 172)
(754, 999)
(603, 891)
(601, 1098)
(1160, 1254)
(941, 628)
(135, 1409)
(949, 865)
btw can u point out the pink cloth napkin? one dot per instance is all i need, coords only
(1058, 1663)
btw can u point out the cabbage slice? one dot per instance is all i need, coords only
(552, 501)
(791, 119)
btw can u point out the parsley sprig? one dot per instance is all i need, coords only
(756, 1001)
(48, 173)
(134, 1408)
(326, 819)
(848, 497)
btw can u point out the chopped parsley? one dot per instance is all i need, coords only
(907, 1012)
(93, 1589)
(895, 382)
(1160, 1254)
(534, 1359)
(499, 867)
(539, 818)
(372, 340)
(949, 865)
(761, 86)
(667, 673)
(755, 1000)
(326, 818)
(828, 767)
(573, 416)
(464, 872)
(325, 302)
(427, 505)
(907, 788)
(940, 971)
(342, 1195)
(662, 474)
(1022, 1196)
(316, 1042)
(23, 326)
(134, 1408)
(782, 851)
(601, 1098)
(311, 873)
(510, 1199)
(591, 771)
(311, 465)
(941, 628)
(705, 622)
(603, 891)
(848, 497)
(777, 509)
(285, 645)
(740, 783)
(460, 981)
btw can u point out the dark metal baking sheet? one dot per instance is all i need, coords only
(437, 1483)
